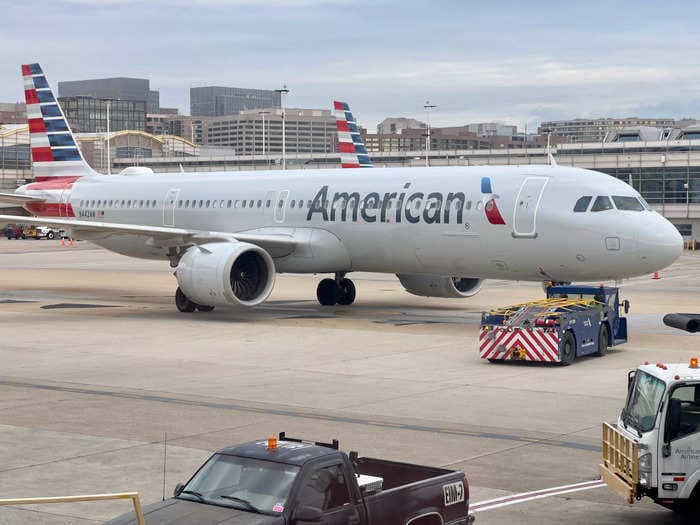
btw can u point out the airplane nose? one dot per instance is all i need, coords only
(660, 243)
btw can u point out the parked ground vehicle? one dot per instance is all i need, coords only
(572, 321)
(654, 449)
(15, 232)
(287, 481)
(42, 232)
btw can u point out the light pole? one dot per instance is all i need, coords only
(263, 113)
(109, 152)
(282, 93)
(427, 106)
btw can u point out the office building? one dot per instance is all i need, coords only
(118, 88)
(89, 115)
(217, 101)
(595, 130)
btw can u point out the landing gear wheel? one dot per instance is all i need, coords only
(183, 303)
(602, 340)
(203, 308)
(568, 349)
(327, 292)
(347, 292)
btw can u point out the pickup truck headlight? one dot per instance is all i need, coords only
(644, 469)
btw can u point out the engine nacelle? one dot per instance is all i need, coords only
(439, 286)
(226, 273)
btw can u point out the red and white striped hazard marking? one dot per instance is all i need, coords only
(538, 344)
(523, 497)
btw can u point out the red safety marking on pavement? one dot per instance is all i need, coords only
(523, 497)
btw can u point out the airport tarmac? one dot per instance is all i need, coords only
(97, 365)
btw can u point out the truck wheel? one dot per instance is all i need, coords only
(568, 349)
(50, 235)
(602, 340)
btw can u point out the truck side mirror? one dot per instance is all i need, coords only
(673, 420)
(626, 306)
(630, 379)
(178, 489)
(307, 513)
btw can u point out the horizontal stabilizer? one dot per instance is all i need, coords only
(15, 198)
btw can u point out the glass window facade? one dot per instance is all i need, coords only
(89, 115)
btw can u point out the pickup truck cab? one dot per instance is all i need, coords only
(286, 481)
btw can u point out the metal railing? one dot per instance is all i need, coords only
(133, 496)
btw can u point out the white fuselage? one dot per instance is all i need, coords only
(398, 220)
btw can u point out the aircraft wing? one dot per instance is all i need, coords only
(277, 245)
(15, 198)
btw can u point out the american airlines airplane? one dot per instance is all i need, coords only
(441, 230)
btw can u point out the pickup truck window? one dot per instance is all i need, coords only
(226, 480)
(325, 489)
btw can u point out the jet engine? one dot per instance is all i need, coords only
(226, 273)
(439, 286)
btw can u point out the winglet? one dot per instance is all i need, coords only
(55, 152)
(353, 153)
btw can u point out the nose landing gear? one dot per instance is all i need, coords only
(336, 291)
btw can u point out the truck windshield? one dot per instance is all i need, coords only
(643, 402)
(250, 484)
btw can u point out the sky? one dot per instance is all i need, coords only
(510, 61)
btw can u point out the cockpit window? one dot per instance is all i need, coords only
(627, 203)
(602, 203)
(644, 203)
(582, 203)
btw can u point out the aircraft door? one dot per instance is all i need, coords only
(64, 204)
(526, 205)
(281, 205)
(169, 205)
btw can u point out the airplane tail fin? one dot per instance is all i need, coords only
(353, 153)
(55, 152)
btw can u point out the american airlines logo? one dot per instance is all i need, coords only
(412, 207)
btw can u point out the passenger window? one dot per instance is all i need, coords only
(325, 489)
(259, 204)
(602, 204)
(301, 204)
(582, 203)
(627, 203)
(221, 204)
(187, 204)
(208, 202)
(229, 204)
(267, 204)
(292, 204)
(686, 401)
(179, 204)
(250, 204)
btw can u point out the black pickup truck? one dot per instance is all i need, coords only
(289, 481)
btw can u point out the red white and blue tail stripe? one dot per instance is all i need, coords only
(55, 152)
(353, 153)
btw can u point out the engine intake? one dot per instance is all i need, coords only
(227, 273)
(440, 286)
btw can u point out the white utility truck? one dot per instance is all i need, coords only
(654, 449)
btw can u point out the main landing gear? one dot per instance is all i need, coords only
(336, 291)
(186, 306)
